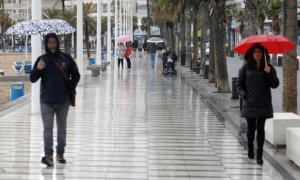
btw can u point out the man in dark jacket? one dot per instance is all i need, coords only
(151, 49)
(59, 75)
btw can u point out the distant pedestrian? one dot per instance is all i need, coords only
(152, 48)
(145, 46)
(59, 77)
(254, 84)
(120, 54)
(134, 47)
(127, 55)
(140, 47)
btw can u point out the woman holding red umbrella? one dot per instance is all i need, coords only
(256, 78)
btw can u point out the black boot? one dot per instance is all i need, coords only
(250, 151)
(259, 159)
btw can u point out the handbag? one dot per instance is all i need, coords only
(72, 92)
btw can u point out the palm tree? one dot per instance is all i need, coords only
(148, 18)
(5, 22)
(204, 21)
(251, 15)
(191, 14)
(69, 15)
(239, 16)
(188, 25)
(2, 14)
(212, 61)
(262, 11)
(273, 12)
(88, 23)
(144, 24)
(290, 58)
(220, 34)
(164, 16)
(52, 14)
(195, 39)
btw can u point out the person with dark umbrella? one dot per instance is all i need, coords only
(256, 78)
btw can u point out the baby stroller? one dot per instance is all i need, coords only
(169, 63)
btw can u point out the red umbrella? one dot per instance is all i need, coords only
(275, 44)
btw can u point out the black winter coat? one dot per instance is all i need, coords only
(54, 88)
(254, 87)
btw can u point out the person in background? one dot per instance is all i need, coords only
(127, 55)
(256, 78)
(134, 46)
(140, 47)
(120, 54)
(151, 49)
(59, 76)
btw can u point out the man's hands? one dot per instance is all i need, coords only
(41, 65)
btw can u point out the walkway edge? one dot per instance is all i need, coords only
(225, 118)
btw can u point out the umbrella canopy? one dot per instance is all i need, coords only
(155, 40)
(41, 27)
(275, 44)
(123, 39)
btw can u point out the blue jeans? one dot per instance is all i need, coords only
(61, 111)
(152, 59)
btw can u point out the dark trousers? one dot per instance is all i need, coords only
(128, 63)
(259, 125)
(120, 61)
(61, 112)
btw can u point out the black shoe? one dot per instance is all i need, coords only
(250, 154)
(48, 160)
(60, 158)
(259, 159)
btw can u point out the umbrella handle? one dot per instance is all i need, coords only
(266, 63)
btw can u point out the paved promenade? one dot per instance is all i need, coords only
(131, 124)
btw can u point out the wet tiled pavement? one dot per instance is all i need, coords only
(131, 124)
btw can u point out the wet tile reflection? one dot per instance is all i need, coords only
(130, 124)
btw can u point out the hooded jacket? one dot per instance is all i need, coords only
(54, 87)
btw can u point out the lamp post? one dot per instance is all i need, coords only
(80, 40)
(116, 27)
(26, 41)
(109, 30)
(98, 53)
(36, 52)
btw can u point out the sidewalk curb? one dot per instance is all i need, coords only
(224, 118)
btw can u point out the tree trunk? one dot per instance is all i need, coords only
(189, 34)
(63, 5)
(229, 47)
(276, 30)
(290, 58)
(87, 42)
(166, 35)
(220, 34)
(172, 38)
(148, 20)
(203, 39)
(251, 17)
(182, 38)
(2, 22)
(262, 25)
(212, 61)
(195, 41)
